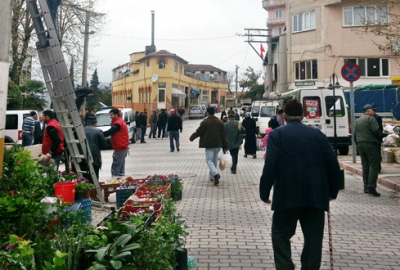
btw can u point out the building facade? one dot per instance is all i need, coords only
(164, 80)
(322, 36)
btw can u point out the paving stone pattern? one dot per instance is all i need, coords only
(230, 227)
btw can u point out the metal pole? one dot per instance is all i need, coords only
(236, 80)
(5, 34)
(85, 50)
(269, 64)
(353, 122)
(334, 113)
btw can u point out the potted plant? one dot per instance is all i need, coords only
(82, 189)
(176, 190)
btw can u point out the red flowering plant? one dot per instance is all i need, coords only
(83, 184)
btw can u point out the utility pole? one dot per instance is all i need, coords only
(5, 34)
(236, 81)
(257, 33)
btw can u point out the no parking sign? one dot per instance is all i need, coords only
(351, 72)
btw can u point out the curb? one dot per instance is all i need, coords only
(382, 181)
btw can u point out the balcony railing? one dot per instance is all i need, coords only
(267, 4)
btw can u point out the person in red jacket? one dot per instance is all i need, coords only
(53, 138)
(119, 142)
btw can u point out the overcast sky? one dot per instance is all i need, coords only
(201, 32)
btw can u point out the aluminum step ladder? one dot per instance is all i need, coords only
(61, 90)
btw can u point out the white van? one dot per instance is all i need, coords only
(263, 110)
(14, 121)
(104, 122)
(318, 109)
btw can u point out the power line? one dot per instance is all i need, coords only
(169, 39)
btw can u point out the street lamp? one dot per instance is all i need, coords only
(333, 86)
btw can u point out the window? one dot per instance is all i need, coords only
(278, 13)
(278, 31)
(267, 111)
(161, 92)
(307, 70)
(359, 16)
(12, 121)
(161, 64)
(304, 21)
(205, 97)
(371, 67)
(255, 111)
(331, 103)
(176, 66)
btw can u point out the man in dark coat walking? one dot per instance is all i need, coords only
(39, 129)
(304, 171)
(250, 145)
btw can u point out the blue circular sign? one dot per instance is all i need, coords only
(351, 72)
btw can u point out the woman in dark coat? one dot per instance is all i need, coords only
(250, 145)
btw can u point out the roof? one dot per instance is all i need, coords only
(162, 53)
(192, 68)
(120, 66)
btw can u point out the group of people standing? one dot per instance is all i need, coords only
(32, 129)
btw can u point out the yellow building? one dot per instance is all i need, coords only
(164, 80)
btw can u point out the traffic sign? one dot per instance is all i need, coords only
(351, 72)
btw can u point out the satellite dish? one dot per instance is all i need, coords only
(154, 78)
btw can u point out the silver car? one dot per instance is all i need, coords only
(196, 111)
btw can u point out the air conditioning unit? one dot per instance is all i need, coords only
(395, 46)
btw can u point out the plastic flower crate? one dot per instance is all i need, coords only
(124, 194)
(107, 190)
(131, 209)
(83, 208)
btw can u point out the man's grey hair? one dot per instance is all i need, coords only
(293, 118)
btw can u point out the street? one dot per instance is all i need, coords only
(229, 226)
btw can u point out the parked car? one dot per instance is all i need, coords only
(204, 109)
(13, 131)
(197, 111)
(104, 123)
(263, 110)
(215, 106)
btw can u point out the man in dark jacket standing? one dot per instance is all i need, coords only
(212, 137)
(39, 130)
(174, 126)
(367, 136)
(162, 122)
(143, 124)
(96, 142)
(304, 171)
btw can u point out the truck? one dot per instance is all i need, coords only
(386, 100)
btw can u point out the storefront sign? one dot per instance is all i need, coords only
(300, 84)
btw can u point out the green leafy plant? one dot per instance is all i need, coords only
(176, 187)
(59, 261)
(83, 185)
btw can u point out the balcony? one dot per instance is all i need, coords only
(267, 4)
(276, 22)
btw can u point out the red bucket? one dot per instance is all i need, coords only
(65, 190)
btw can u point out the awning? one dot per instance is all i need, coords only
(177, 92)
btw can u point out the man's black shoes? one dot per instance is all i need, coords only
(177, 148)
(216, 178)
(373, 192)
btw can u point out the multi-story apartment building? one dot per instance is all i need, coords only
(276, 22)
(322, 36)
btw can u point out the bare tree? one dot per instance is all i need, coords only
(229, 79)
(381, 20)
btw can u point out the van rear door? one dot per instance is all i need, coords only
(342, 125)
(313, 109)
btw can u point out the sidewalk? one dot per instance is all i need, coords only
(389, 176)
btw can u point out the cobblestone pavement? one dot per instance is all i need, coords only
(230, 227)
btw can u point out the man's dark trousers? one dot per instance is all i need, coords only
(234, 153)
(284, 224)
(369, 153)
(143, 129)
(173, 135)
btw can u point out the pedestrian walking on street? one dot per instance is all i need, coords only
(212, 137)
(153, 123)
(279, 117)
(234, 134)
(162, 122)
(223, 114)
(237, 116)
(181, 112)
(96, 142)
(368, 140)
(174, 126)
(250, 145)
(231, 111)
(305, 173)
(119, 142)
(39, 130)
(53, 138)
(137, 123)
(272, 124)
(28, 129)
(143, 124)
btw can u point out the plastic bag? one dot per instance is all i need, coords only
(225, 162)
(388, 129)
(220, 154)
(391, 140)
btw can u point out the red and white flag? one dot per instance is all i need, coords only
(262, 51)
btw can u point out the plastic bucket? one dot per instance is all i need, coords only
(65, 190)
